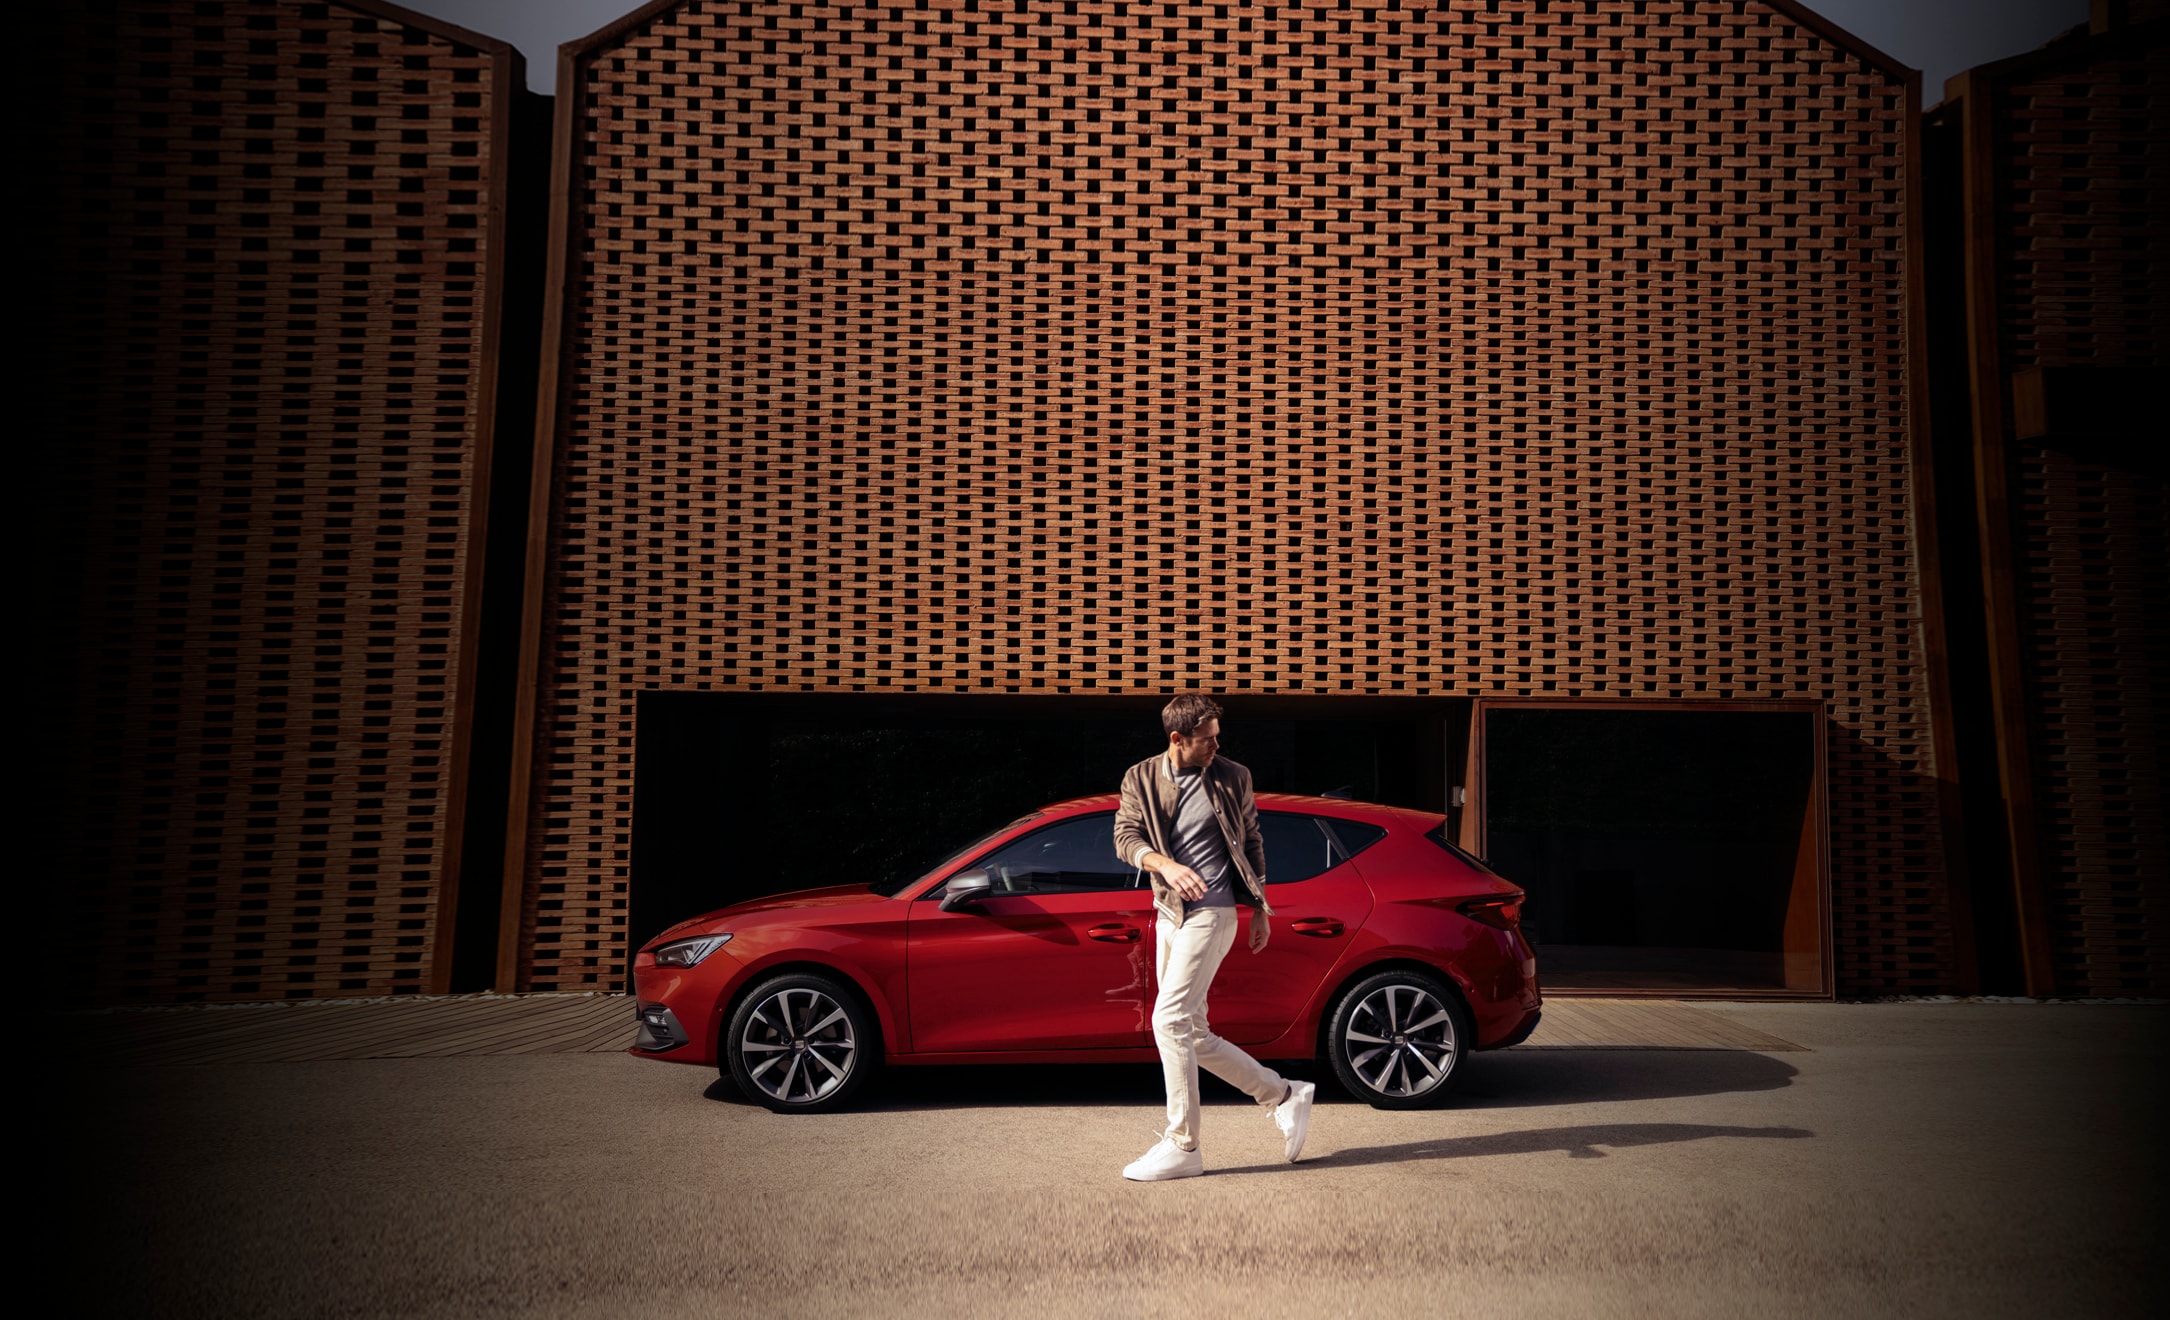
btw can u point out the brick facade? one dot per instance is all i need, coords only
(274, 228)
(2082, 228)
(1425, 348)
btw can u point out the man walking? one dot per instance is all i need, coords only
(1188, 817)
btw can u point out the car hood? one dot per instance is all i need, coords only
(797, 900)
(832, 896)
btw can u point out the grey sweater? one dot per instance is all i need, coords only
(1199, 843)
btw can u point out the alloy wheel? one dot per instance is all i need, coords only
(798, 1046)
(1400, 1041)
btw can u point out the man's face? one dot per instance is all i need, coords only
(1199, 749)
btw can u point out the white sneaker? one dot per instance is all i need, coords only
(1164, 1161)
(1293, 1116)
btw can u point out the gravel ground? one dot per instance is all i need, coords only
(1960, 1159)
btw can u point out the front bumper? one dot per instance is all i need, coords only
(660, 1030)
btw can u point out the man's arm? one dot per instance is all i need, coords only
(1254, 839)
(1130, 842)
(1254, 850)
(1134, 848)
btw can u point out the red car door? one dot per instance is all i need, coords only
(1057, 958)
(1319, 903)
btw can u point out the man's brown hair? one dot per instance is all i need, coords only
(1184, 714)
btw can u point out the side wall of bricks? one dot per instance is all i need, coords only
(1425, 347)
(271, 231)
(2083, 236)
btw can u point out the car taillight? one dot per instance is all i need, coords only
(1501, 911)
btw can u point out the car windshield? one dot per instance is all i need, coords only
(891, 888)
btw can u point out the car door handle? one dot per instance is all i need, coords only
(1115, 933)
(1322, 926)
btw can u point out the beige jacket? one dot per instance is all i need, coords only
(1146, 823)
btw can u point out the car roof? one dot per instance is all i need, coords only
(1324, 806)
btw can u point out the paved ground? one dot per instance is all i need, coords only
(421, 1027)
(1913, 1159)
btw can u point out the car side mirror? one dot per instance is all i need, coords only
(966, 887)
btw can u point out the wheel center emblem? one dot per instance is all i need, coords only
(798, 1044)
(1401, 1040)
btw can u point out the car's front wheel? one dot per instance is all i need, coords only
(800, 1043)
(1397, 1040)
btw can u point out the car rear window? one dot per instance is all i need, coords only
(1300, 846)
(1438, 834)
(1354, 835)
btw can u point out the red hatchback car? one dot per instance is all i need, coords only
(1393, 952)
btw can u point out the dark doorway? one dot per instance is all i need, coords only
(1667, 847)
(740, 795)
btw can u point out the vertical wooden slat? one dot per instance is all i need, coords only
(508, 75)
(1943, 758)
(558, 297)
(1976, 96)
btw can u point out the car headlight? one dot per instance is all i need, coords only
(688, 953)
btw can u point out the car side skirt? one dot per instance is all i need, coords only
(1124, 1054)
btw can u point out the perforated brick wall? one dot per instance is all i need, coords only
(271, 225)
(2083, 178)
(1404, 348)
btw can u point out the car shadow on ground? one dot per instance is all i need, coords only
(1502, 1080)
(1579, 1143)
(1517, 1078)
(997, 1085)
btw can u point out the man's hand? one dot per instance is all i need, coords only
(1184, 881)
(1261, 928)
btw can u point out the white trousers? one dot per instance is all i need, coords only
(1186, 960)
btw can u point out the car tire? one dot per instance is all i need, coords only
(1397, 1040)
(801, 1043)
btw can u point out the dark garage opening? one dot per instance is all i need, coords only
(1667, 847)
(740, 795)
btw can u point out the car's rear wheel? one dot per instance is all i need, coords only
(1397, 1040)
(801, 1043)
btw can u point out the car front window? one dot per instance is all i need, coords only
(1073, 856)
(891, 888)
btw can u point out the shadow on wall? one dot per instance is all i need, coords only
(1919, 944)
(742, 795)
